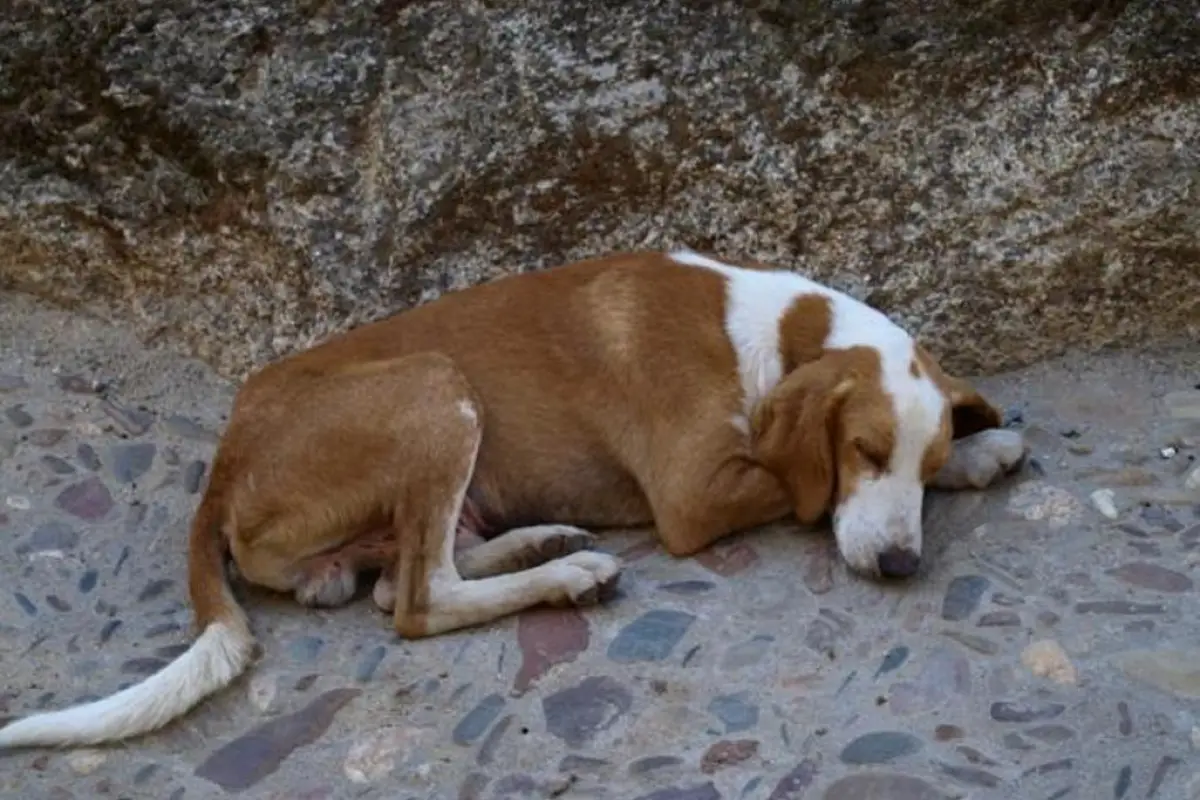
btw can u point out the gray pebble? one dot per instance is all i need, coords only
(133, 421)
(478, 719)
(1016, 712)
(962, 596)
(577, 713)
(650, 637)
(54, 535)
(306, 648)
(192, 475)
(18, 416)
(108, 630)
(11, 383)
(131, 461)
(46, 437)
(184, 428)
(26, 604)
(87, 456)
(155, 589)
(369, 663)
(57, 465)
(880, 747)
(735, 710)
(88, 581)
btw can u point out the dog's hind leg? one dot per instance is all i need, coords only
(320, 464)
(430, 595)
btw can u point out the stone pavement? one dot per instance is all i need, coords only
(1049, 649)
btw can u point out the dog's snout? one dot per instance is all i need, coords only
(898, 562)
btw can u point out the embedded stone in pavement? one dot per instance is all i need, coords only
(650, 637)
(962, 596)
(736, 711)
(89, 500)
(131, 461)
(794, 784)
(576, 714)
(727, 753)
(1144, 575)
(1004, 711)
(547, 637)
(880, 747)
(478, 719)
(245, 761)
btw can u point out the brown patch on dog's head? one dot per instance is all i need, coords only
(970, 412)
(823, 426)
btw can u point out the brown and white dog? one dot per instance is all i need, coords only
(667, 389)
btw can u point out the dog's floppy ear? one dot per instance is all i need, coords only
(970, 411)
(793, 433)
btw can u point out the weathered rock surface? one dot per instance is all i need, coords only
(242, 177)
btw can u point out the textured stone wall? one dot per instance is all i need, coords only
(242, 177)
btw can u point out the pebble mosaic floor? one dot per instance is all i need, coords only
(1049, 649)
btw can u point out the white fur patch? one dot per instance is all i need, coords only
(882, 513)
(757, 301)
(467, 409)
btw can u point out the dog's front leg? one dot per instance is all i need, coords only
(979, 460)
(710, 489)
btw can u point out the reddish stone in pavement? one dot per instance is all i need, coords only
(548, 637)
(727, 753)
(89, 500)
(728, 560)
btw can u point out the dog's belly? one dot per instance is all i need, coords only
(577, 487)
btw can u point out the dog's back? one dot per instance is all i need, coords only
(637, 337)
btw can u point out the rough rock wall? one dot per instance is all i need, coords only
(1007, 178)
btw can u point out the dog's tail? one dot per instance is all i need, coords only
(223, 651)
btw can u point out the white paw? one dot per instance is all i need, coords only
(330, 587)
(384, 594)
(979, 460)
(585, 578)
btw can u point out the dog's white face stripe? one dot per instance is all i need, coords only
(883, 512)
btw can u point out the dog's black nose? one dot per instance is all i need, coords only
(898, 562)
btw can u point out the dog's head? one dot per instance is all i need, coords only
(858, 434)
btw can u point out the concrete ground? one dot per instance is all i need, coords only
(1049, 649)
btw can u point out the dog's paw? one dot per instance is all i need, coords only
(557, 541)
(979, 460)
(327, 584)
(585, 578)
(384, 594)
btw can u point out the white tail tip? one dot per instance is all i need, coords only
(215, 659)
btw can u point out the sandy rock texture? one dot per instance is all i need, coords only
(243, 177)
